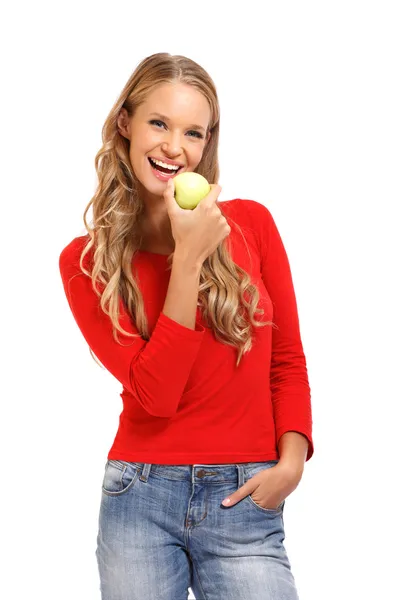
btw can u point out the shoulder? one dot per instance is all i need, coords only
(245, 208)
(70, 255)
(249, 214)
(252, 217)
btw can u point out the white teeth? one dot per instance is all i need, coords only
(163, 164)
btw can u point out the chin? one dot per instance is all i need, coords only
(153, 189)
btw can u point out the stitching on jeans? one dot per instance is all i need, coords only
(130, 484)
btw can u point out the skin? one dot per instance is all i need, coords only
(173, 139)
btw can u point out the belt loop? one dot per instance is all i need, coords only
(241, 475)
(145, 472)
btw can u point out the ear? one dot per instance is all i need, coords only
(123, 124)
(208, 137)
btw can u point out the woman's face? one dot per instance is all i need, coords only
(179, 136)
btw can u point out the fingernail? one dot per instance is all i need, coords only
(226, 501)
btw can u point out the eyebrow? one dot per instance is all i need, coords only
(167, 119)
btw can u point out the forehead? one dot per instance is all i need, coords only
(179, 102)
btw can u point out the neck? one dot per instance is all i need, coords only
(157, 233)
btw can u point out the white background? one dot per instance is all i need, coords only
(309, 95)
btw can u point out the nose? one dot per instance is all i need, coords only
(172, 144)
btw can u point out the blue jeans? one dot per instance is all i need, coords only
(163, 529)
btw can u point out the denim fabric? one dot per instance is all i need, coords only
(163, 529)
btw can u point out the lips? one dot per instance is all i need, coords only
(164, 176)
(170, 172)
(167, 161)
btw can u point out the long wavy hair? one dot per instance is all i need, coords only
(227, 297)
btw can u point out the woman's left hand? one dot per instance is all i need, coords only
(270, 487)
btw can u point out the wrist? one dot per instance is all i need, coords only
(293, 469)
(185, 261)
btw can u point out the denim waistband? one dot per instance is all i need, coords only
(202, 472)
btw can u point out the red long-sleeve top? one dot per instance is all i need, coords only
(184, 400)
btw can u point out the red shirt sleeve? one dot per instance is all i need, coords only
(154, 372)
(289, 384)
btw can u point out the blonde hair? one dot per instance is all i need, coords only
(118, 209)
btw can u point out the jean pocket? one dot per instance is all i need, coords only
(272, 511)
(253, 469)
(119, 477)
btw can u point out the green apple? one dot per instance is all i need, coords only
(190, 188)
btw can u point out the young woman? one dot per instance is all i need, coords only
(194, 312)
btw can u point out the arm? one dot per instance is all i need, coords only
(154, 372)
(293, 448)
(183, 291)
(290, 390)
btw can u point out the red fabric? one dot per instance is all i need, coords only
(184, 401)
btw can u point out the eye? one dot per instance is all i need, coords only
(196, 133)
(153, 121)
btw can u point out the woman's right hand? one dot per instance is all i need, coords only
(197, 232)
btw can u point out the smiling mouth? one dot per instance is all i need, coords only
(163, 169)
